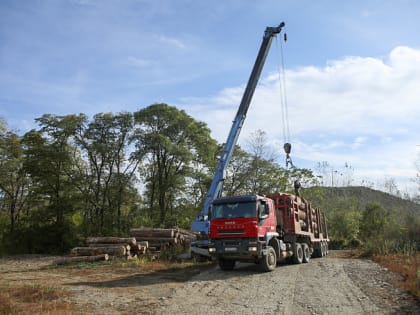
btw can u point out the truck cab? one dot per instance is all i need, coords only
(242, 228)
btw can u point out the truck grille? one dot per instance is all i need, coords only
(231, 232)
(231, 243)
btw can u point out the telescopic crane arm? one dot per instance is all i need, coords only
(201, 224)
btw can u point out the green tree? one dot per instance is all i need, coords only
(52, 197)
(343, 223)
(237, 181)
(381, 229)
(261, 159)
(108, 173)
(170, 143)
(373, 222)
(305, 176)
(13, 178)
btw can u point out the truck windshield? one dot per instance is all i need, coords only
(234, 210)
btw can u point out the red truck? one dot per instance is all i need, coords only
(265, 230)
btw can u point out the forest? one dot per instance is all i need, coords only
(76, 176)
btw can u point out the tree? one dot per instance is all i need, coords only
(49, 159)
(3, 126)
(391, 187)
(343, 221)
(52, 196)
(348, 172)
(306, 178)
(168, 142)
(324, 168)
(107, 171)
(13, 178)
(261, 156)
(373, 222)
(238, 177)
(416, 179)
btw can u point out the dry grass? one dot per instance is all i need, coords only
(408, 266)
(33, 300)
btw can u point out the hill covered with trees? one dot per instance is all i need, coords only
(357, 216)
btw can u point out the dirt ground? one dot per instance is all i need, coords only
(336, 284)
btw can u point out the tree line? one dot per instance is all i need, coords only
(74, 176)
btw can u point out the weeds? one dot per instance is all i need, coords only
(407, 265)
(33, 299)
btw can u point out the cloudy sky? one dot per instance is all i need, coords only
(351, 71)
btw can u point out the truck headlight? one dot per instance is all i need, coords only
(252, 249)
(212, 249)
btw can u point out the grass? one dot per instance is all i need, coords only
(149, 262)
(33, 299)
(408, 266)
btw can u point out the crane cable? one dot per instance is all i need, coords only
(283, 102)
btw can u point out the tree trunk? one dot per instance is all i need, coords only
(111, 240)
(67, 260)
(158, 239)
(92, 251)
(148, 232)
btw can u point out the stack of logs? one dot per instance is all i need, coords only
(142, 241)
(159, 239)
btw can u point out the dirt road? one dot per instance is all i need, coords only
(330, 285)
(324, 286)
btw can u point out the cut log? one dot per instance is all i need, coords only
(185, 232)
(158, 246)
(67, 260)
(144, 244)
(92, 251)
(127, 247)
(302, 214)
(111, 240)
(150, 232)
(158, 239)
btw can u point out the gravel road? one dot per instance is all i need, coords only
(324, 286)
(329, 285)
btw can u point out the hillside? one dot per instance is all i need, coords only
(382, 223)
(358, 197)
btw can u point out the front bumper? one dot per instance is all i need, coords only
(237, 248)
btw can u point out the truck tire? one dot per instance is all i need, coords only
(306, 253)
(226, 264)
(269, 262)
(298, 254)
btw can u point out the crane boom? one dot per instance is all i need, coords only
(201, 224)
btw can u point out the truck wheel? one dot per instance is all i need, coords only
(269, 262)
(306, 253)
(226, 264)
(298, 254)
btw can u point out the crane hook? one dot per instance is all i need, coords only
(287, 149)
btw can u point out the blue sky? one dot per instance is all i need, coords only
(352, 71)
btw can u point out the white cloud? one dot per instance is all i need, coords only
(172, 42)
(138, 62)
(361, 110)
